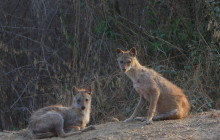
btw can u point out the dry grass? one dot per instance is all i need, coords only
(49, 46)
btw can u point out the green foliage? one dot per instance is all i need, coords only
(66, 30)
(106, 28)
(162, 69)
(13, 128)
(101, 28)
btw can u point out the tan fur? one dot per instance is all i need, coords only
(55, 120)
(165, 98)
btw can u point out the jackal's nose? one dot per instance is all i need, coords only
(124, 70)
(83, 107)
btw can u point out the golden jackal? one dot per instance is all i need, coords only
(56, 119)
(165, 98)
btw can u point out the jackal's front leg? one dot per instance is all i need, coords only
(138, 108)
(90, 127)
(154, 96)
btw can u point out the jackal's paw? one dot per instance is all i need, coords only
(129, 120)
(140, 119)
(148, 122)
(91, 127)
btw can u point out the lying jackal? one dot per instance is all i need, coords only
(165, 98)
(56, 119)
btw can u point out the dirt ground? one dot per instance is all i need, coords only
(202, 126)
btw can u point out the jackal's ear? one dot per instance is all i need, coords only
(89, 91)
(119, 52)
(75, 91)
(133, 52)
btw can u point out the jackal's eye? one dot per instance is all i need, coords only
(87, 100)
(129, 62)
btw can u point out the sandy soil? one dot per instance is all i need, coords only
(202, 126)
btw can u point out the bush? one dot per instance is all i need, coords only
(49, 46)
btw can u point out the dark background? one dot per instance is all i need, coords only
(49, 46)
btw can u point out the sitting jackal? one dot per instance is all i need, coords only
(165, 98)
(55, 120)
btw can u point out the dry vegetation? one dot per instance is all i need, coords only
(49, 46)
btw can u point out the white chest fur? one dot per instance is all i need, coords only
(142, 81)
